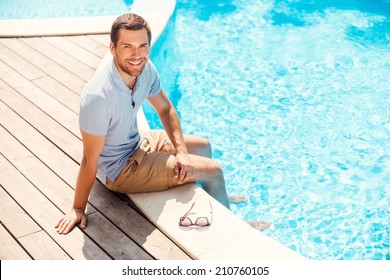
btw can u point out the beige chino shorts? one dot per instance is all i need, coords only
(150, 168)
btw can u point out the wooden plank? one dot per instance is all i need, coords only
(15, 218)
(81, 54)
(48, 84)
(46, 65)
(77, 245)
(9, 248)
(20, 64)
(52, 130)
(41, 247)
(89, 44)
(60, 193)
(104, 39)
(35, 241)
(60, 57)
(40, 146)
(64, 95)
(53, 108)
(117, 244)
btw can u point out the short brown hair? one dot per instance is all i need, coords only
(129, 21)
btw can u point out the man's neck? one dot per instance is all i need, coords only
(131, 84)
(128, 79)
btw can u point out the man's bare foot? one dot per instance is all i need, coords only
(237, 198)
(259, 225)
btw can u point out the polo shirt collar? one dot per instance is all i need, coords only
(118, 80)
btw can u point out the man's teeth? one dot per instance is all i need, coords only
(135, 62)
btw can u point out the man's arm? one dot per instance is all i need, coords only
(92, 147)
(170, 120)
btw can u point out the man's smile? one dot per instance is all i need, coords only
(137, 62)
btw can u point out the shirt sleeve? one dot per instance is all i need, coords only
(155, 88)
(94, 115)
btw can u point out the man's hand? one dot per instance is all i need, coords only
(67, 223)
(183, 167)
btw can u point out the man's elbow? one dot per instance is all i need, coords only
(167, 112)
(89, 161)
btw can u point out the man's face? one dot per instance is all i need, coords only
(131, 52)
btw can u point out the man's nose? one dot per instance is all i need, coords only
(135, 52)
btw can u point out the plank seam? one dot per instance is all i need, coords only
(14, 238)
(55, 45)
(63, 151)
(44, 70)
(91, 36)
(40, 109)
(82, 46)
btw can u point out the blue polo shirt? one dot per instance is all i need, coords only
(106, 110)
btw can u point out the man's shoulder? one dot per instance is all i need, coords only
(149, 67)
(150, 72)
(100, 82)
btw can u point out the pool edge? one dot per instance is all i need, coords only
(157, 12)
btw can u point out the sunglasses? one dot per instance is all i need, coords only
(200, 222)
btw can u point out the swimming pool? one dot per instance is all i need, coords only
(294, 97)
(30, 9)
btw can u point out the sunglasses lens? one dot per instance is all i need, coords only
(202, 222)
(185, 222)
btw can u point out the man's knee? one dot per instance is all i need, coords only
(207, 169)
(215, 168)
(205, 147)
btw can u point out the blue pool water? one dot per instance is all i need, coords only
(32, 9)
(294, 97)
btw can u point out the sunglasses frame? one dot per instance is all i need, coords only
(182, 218)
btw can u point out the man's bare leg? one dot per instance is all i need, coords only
(209, 174)
(201, 146)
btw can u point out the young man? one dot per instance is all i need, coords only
(114, 150)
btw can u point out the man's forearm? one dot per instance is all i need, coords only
(171, 123)
(85, 180)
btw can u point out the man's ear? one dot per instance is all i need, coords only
(112, 48)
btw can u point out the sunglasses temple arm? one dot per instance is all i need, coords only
(185, 215)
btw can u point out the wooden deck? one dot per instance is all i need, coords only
(41, 79)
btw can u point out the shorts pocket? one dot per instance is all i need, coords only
(129, 169)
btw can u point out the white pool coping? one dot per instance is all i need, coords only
(229, 237)
(156, 12)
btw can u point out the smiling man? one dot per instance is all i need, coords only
(114, 150)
